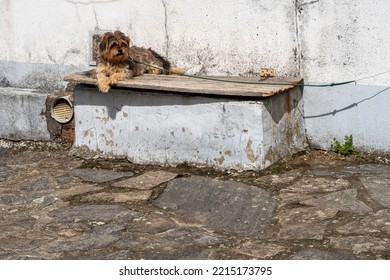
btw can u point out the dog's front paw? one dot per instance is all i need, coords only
(103, 83)
(104, 88)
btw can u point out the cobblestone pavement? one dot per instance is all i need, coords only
(314, 206)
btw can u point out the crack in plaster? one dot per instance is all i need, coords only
(298, 48)
(51, 58)
(90, 2)
(96, 19)
(308, 3)
(167, 39)
(77, 13)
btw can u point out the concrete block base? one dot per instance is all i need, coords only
(23, 114)
(150, 127)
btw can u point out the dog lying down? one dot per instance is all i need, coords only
(115, 61)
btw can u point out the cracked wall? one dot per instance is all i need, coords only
(340, 41)
(343, 40)
(215, 38)
(321, 41)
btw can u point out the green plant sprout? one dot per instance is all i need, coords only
(344, 149)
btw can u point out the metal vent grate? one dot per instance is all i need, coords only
(62, 110)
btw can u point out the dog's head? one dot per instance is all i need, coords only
(114, 47)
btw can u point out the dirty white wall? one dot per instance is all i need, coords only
(322, 41)
(205, 37)
(342, 40)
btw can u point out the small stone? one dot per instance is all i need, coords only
(35, 185)
(65, 179)
(19, 199)
(5, 171)
(285, 178)
(45, 200)
(119, 197)
(76, 190)
(133, 196)
(146, 181)
(99, 175)
(3, 152)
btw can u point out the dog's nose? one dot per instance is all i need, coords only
(120, 51)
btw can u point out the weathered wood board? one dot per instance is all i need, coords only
(182, 84)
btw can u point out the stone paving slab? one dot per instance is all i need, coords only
(22, 199)
(91, 212)
(146, 181)
(76, 190)
(373, 223)
(304, 222)
(368, 169)
(341, 200)
(219, 205)
(379, 189)
(119, 197)
(312, 185)
(361, 244)
(99, 175)
(53, 207)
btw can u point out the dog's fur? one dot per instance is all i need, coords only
(115, 64)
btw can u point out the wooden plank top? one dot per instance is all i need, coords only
(177, 84)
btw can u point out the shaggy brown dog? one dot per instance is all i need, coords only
(115, 61)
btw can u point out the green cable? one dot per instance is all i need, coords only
(243, 82)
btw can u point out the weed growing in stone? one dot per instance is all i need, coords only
(345, 149)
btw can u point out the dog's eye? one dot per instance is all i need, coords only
(113, 46)
(123, 45)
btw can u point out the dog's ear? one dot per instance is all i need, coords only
(104, 40)
(103, 43)
(127, 39)
(122, 36)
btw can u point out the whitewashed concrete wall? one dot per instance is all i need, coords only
(322, 41)
(206, 37)
(341, 40)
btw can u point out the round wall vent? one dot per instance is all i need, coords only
(62, 109)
